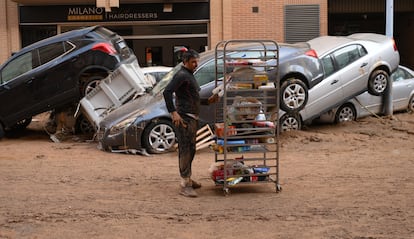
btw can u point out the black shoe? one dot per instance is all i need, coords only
(195, 185)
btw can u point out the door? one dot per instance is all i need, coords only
(353, 65)
(16, 87)
(325, 95)
(54, 81)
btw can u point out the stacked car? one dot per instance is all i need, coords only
(56, 73)
(352, 65)
(315, 77)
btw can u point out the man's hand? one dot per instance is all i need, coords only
(213, 99)
(177, 120)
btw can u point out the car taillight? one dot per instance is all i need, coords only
(395, 45)
(104, 47)
(311, 53)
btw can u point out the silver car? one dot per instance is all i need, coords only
(352, 65)
(366, 104)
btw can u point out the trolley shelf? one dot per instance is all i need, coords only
(247, 115)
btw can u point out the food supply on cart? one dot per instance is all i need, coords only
(247, 146)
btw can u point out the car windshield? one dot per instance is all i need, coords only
(160, 86)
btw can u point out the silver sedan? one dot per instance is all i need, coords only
(366, 104)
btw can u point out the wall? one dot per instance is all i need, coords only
(230, 19)
(235, 19)
(9, 29)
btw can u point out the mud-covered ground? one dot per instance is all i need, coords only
(354, 180)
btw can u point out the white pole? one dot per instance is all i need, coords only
(389, 31)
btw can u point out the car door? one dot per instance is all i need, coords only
(327, 93)
(402, 87)
(351, 63)
(53, 83)
(16, 87)
(205, 76)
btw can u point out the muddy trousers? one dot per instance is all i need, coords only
(186, 137)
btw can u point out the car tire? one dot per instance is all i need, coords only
(83, 126)
(293, 95)
(2, 133)
(289, 122)
(378, 82)
(159, 137)
(411, 104)
(89, 83)
(345, 113)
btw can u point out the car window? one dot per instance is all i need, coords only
(207, 72)
(348, 54)
(328, 65)
(160, 86)
(17, 67)
(400, 74)
(52, 51)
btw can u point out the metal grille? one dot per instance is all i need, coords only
(301, 23)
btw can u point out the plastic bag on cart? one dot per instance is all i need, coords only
(244, 108)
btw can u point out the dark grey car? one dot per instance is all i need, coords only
(57, 72)
(146, 124)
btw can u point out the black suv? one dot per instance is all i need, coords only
(56, 72)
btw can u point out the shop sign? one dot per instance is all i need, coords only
(129, 12)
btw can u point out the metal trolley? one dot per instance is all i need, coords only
(247, 113)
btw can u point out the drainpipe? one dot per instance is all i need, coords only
(389, 31)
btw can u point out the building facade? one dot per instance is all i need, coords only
(155, 29)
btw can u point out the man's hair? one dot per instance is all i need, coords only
(187, 55)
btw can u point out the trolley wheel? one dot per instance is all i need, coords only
(226, 191)
(278, 188)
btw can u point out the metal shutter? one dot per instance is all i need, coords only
(301, 23)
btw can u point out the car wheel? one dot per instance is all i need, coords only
(159, 137)
(2, 133)
(293, 95)
(290, 122)
(411, 104)
(378, 82)
(345, 113)
(89, 83)
(83, 126)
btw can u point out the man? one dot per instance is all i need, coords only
(184, 116)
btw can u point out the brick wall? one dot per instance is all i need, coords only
(9, 29)
(255, 19)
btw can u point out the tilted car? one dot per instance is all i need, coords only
(146, 124)
(352, 65)
(366, 104)
(57, 72)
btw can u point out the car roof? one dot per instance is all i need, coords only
(60, 37)
(285, 49)
(323, 44)
(56, 38)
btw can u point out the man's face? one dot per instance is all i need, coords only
(191, 64)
